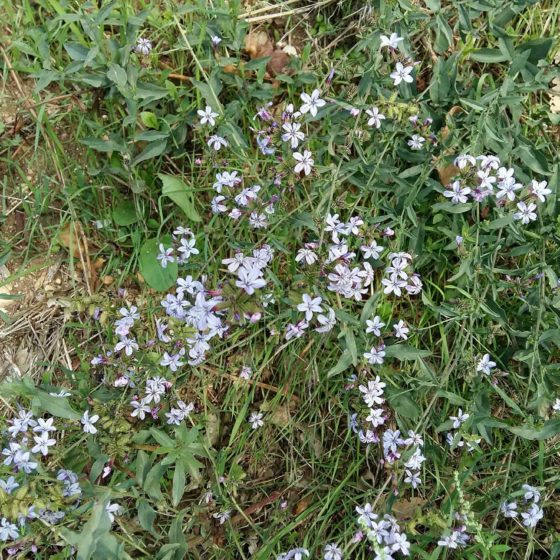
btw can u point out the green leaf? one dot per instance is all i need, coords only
(367, 311)
(403, 405)
(109, 548)
(117, 74)
(210, 91)
(488, 55)
(146, 515)
(152, 150)
(405, 353)
(76, 51)
(149, 92)
(178, 483)
(152, 484)
(162, 438)
(143, 463)
(351, 345)
(97, 527)
(150, 136)
(149, 119)
(180, 193)
(175, 534)
(57, 406)
(548, 430)
(104, 145)
(344, 362)
(451, 208)
(304, 219)
(538, 48)
(156, 276)
(533, 158)
(124, 214)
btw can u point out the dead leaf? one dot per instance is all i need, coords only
(406, 509)
(212, 428)
(302, 505)
(278, 62)
(230, 69)
(73, 238)
(447, 173)
(290, 50)
(258, 44)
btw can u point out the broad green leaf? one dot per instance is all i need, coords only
(405, 353)
(404, 406)
(146, 515)
(155, 275)
(548, 430)
(108, 145)
(162, 438)
(344, 362)
(181, 194)
(369, 307)
(351, 345)
(149, 119)
(152, 150)
(76, 51)
(488, 55)
(117, 74)
(143, 463)
(57, 406)
(124, 214)
(93, 531)
(152, 484)
(176, 534)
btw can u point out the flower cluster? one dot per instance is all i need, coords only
(457, 536)
(31, 440)
(392, 441)
(294, 554)
(484, 177)
(533, 513)
(230, 188)
(458, 439)
(250, 269)
(384, 533)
